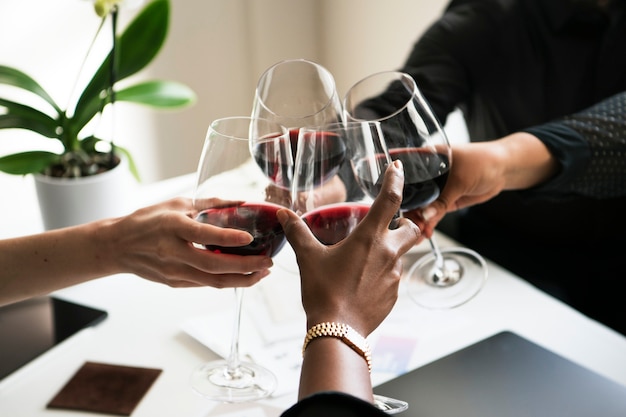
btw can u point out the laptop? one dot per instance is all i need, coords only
(31, 327)
(506, 375)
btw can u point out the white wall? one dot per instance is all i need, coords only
(217, 47)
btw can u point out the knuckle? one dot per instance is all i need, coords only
(416, 231)
(393, 196)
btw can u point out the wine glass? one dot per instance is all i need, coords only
(321, 152)
(444, 278)
(296, 93)
(237, 149)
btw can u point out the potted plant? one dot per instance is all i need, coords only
(83, 156)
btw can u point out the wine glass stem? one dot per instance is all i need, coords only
(233, 358)
(445, 272)
(438, 256)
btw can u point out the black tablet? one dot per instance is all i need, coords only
(31, 327)
(506, 375)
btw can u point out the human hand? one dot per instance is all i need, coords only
(156, 243)
(475, 177)
(356, 280)
(481, 170)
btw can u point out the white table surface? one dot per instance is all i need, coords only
(145, 326)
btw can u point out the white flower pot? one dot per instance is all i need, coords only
(71, 201)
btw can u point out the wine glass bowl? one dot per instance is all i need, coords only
(242, 158)
(259, 219)
(334, 222)
(321, 152)
(412, 133)
(297, 93)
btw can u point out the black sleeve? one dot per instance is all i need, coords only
(333, 404)
(590, 147)
(445, 55)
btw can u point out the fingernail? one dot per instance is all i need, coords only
(397, 163)
(282, 216)
(429, 213)
(245, 238)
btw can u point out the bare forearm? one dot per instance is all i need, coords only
(331, 365)
(526, 161)
(39, 264)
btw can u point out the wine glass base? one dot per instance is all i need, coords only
(390, 405)
(433, 291)
(248, 383)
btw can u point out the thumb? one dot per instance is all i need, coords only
(297, 232)
(433, 213)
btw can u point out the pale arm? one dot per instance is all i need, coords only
(153, 242)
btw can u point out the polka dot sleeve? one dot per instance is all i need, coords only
(591, 148)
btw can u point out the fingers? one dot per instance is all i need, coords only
(387, 203)
(223, 263)
(297, 232)
(230, 280)
(408, 235)
(431, 215)
(194, 231)
(191, 232)
(185, 277)
(384, 211)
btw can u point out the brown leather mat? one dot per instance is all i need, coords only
(105, 388)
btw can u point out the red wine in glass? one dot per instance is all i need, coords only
(326, 152)
(258, 219)
(330, 152)
(293, 136)
(425, 175)
(332, 223)
(275, 155)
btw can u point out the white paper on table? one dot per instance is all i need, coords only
(272, 329)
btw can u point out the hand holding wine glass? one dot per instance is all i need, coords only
(321, 151)
(226, 197)
(445, 278)
(334, 289)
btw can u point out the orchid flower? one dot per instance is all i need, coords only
(104, 7)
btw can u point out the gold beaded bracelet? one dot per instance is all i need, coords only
(343, 332)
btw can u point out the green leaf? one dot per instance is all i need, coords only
(131, 162)
(19, 116)
(27, 162)
(89, 145)
(136, 48)
(143, 38)
(163, 94)
(16, 78)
